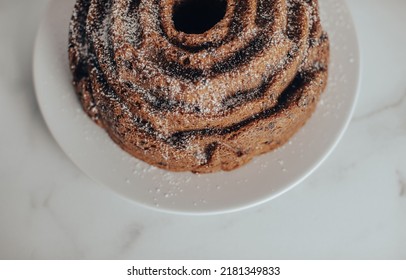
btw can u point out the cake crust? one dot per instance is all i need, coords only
(198, 102)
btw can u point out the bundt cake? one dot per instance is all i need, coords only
(198, 85)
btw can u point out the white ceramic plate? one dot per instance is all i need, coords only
(263, 179)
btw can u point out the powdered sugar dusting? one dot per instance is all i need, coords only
(167, 99)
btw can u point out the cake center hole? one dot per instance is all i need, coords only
(198, 16)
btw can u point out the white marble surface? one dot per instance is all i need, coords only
(352, 207)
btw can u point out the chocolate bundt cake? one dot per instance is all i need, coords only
(198, 85)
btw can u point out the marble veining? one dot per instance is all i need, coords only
(352, 207)
(395, 105)
(43, 202)
(402, 183)
(131, 237)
